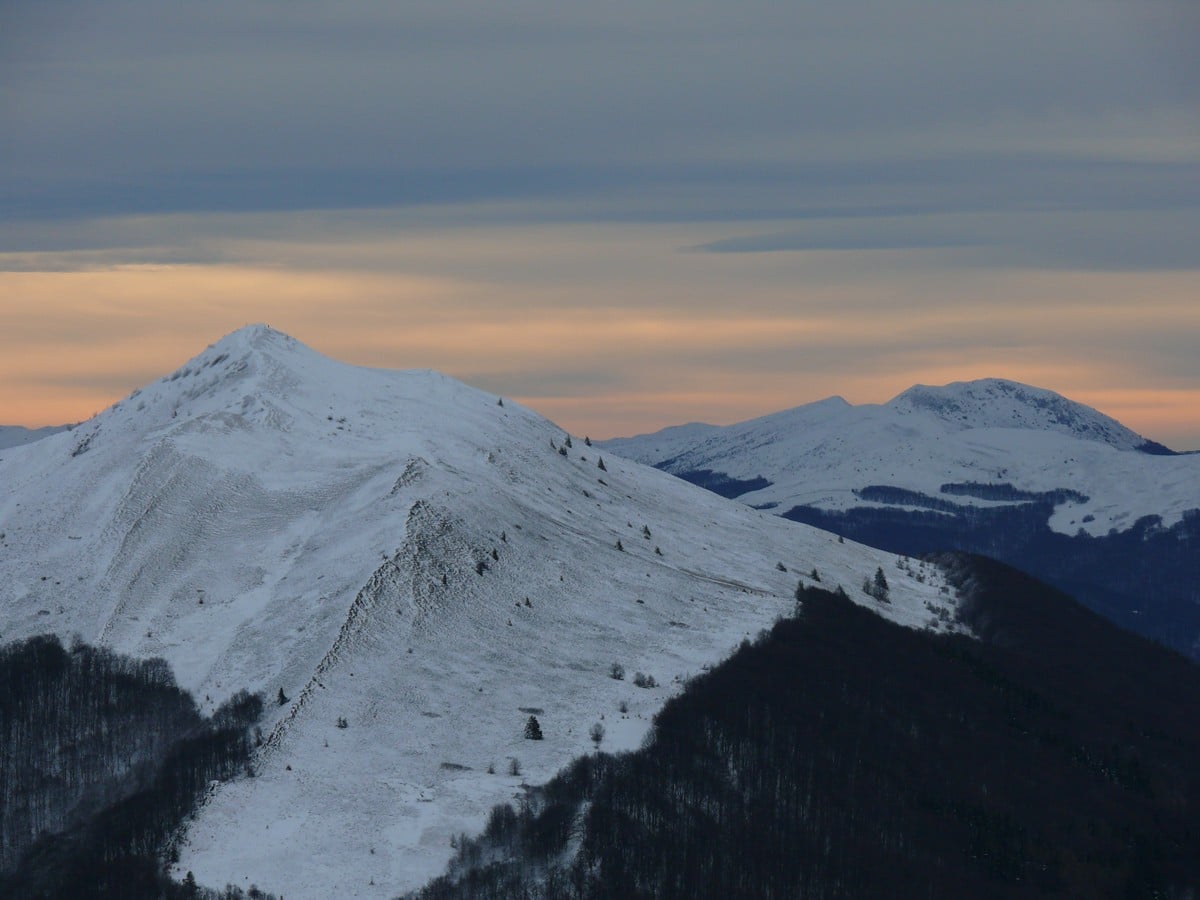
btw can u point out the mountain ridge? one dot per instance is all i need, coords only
(986, 431)
(1000, 403)
(991, 467)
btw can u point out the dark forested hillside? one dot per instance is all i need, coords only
(102, 758)
(1146, 578)
(845, 756)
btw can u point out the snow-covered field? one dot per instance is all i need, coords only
(401, 554)
(988, 431)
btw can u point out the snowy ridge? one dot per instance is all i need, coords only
(402, 553)
(996, 403)
(990, 432)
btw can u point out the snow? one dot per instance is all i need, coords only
(988, 431)
(997, 403)
(16, 435)
(268, 518)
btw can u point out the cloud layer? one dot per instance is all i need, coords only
(629, 214)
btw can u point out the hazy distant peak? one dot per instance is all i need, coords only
(17, 435)
(828, 404)
(837, 400)
(999, 403)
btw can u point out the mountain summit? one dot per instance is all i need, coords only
(415, 567)
(997, 403)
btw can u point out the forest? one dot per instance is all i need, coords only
(104, 757)
(1146, 578)
(843, 756)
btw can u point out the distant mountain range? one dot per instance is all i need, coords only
(995, 467)
(16, 436)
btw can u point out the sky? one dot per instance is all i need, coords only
(626, 215)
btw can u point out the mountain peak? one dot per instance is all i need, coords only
(999, 403)
(253, 340)
(396, 551)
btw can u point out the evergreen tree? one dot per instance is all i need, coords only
(879, 587)
(533, 729)
(601, 466)
(282, 698)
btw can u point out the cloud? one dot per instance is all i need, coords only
(1117, 240)
(614, 335)
(133, 108)
(629, 213)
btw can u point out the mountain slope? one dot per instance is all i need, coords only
(992, 467)
(417, 567)
(16, 436)
(842, 756)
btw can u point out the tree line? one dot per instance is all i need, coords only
(103, 758)
(842, 755)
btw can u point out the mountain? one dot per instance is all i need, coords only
(996, 403)
(840, 755)
(407, 569)
(994, 467)
(16, 435)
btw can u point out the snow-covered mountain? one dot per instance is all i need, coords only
(990, 466)
(987, 432)
(419, 566)
(996, 403)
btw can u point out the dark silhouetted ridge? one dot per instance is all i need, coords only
(842, 756)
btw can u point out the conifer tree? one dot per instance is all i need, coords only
(879, 587)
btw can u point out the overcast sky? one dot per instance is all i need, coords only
(627, 215)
